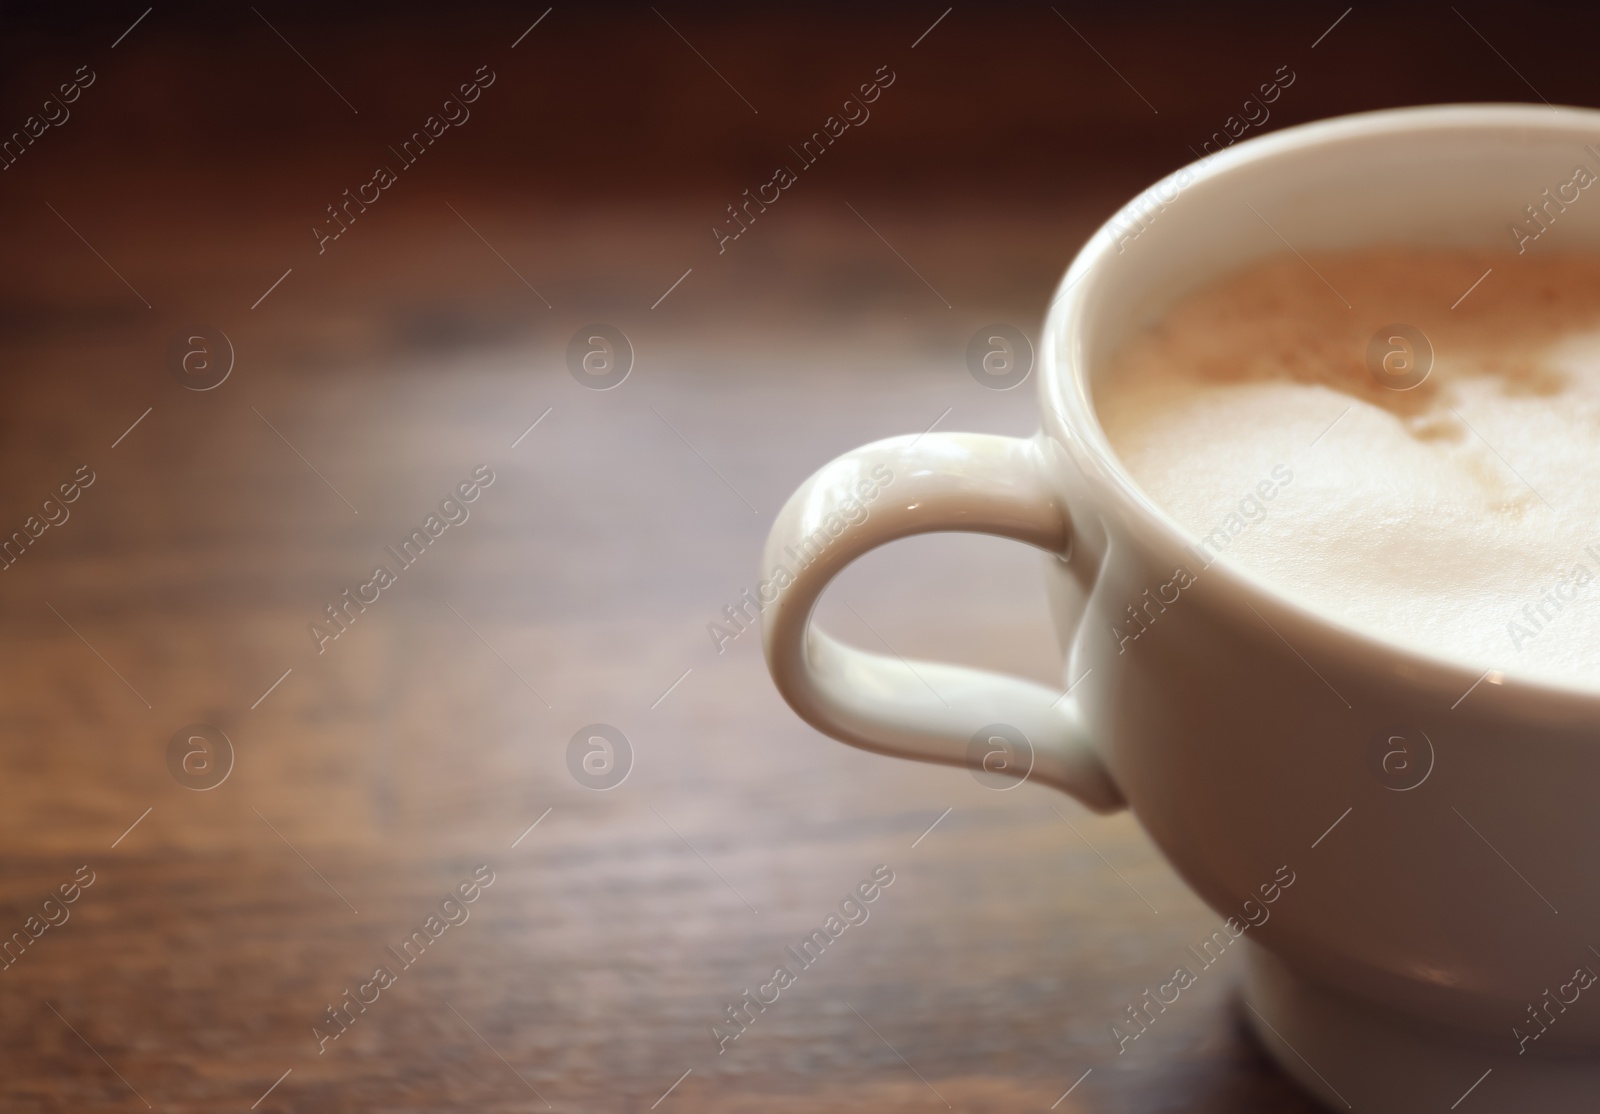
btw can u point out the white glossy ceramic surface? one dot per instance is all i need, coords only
(1241, 725)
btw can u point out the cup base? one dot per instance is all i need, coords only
(1352, 1055)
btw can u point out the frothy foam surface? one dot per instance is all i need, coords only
(1461, 515)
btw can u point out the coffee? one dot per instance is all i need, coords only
(1408, 439)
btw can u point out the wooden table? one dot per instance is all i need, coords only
(374, 774)
(426, 739)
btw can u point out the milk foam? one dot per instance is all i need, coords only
(1461, 516)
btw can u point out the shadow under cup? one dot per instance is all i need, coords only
(1439, 918)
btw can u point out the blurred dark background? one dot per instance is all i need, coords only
(431, 338)
(205, 128)
(608, 103)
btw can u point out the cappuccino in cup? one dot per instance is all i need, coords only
(1336, 505)
(1408, 439)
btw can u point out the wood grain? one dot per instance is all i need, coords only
(425, 740)
(419, 744)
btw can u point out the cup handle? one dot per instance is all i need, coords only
(972, 482)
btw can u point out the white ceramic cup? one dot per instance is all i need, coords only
(1439, 815)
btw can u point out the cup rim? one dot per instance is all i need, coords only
(1066, 404)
